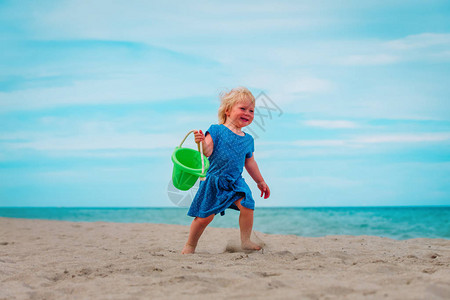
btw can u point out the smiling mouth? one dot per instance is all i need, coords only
(244, 119)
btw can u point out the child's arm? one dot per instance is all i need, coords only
(252, 168)
(207, 142)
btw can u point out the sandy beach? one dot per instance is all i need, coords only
(66, 260)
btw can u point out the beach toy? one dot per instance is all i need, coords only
(188, 166)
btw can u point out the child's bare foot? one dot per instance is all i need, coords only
(188, 249)
(249, 245)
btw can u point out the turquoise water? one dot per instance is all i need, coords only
(393, 222)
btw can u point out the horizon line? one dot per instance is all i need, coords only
(175, 207)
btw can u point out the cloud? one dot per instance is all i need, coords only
(411, 48)
(99, 134)
(288, 87)
(170, 20)
(46, 74)
(146, 52)
(404, 138)
(125, 89)
(365, 140)
(320, 143)
(420, 41)
(329, 124)
(131, 141)
(307, 85)
(369, 59)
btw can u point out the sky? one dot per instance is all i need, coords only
(352, 106)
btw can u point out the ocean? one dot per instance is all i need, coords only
(393, 222)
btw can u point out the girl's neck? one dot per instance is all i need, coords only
(234, 128)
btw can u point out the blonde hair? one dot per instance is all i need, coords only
(229, 99)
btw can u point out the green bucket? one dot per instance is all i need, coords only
(188, 166)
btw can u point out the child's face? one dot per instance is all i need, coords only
(241, 114)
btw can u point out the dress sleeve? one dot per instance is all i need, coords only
(251, 148)
(213, 130)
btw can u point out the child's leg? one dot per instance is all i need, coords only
(246, 225)
(198, 225)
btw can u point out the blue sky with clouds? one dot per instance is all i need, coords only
(95, 95)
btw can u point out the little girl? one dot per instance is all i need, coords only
(229, 149)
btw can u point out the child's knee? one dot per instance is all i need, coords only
(205, 221)
(246, 211)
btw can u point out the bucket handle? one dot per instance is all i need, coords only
(200, 149)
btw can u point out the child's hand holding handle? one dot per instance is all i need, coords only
(206, 142)
(199, 136)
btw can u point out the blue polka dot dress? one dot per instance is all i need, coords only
(224, 183)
